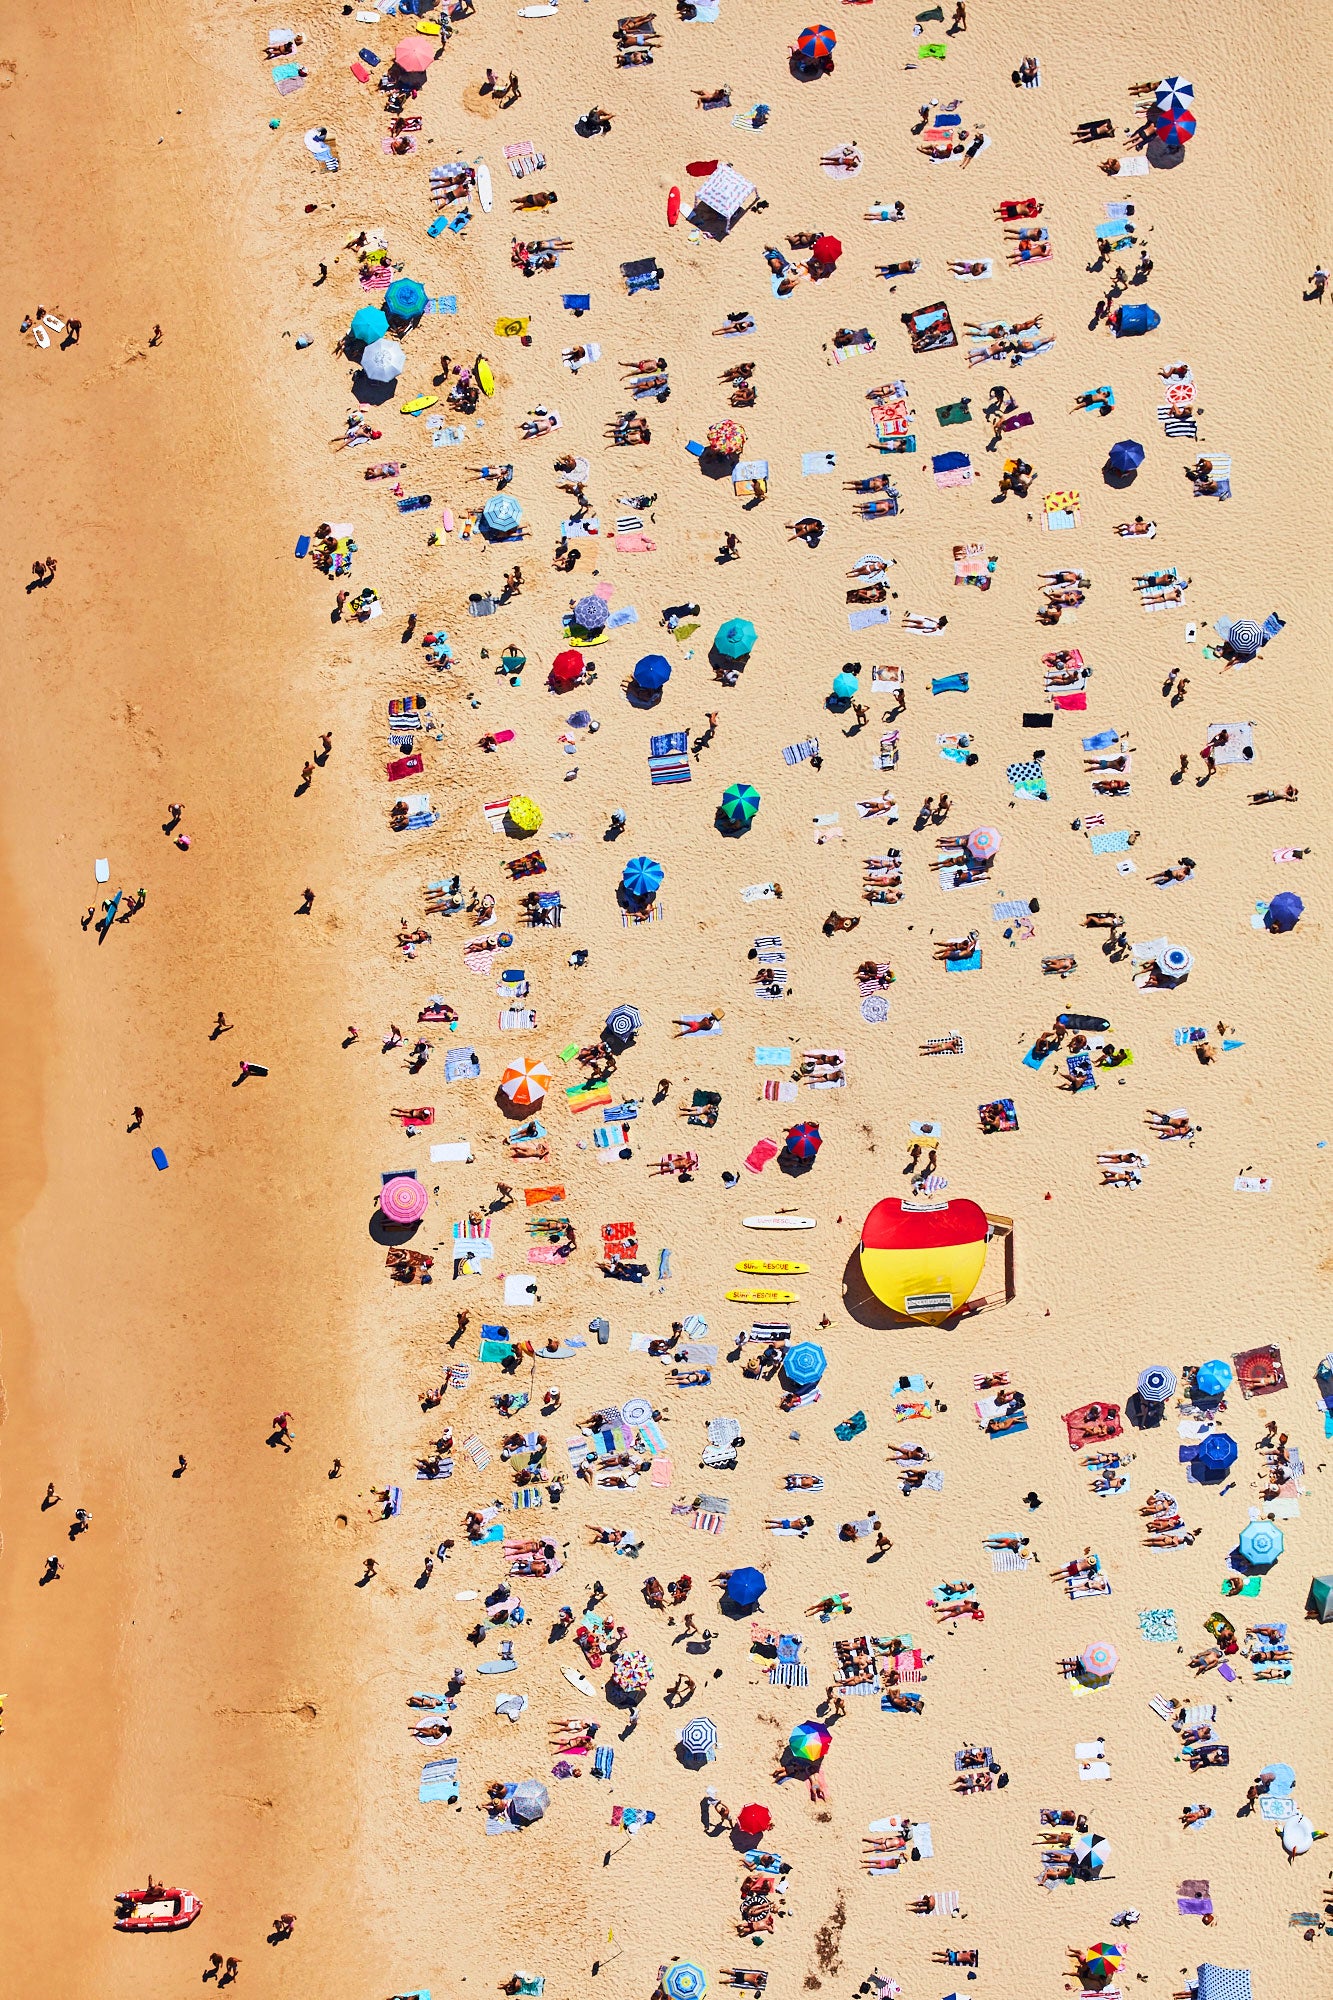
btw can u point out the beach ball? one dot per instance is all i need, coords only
(809, 1741)
(923, 1262)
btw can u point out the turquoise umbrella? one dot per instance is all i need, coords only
(502, 513)
(405, 299)
(845, 686)
(740, 803)
(1261, 1543)
(369, 324)
(735, 638)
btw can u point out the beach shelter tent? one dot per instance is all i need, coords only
(921, 1260)
(1221, 1982)
(722, 200)
(1321, 1599)
(1134, 319)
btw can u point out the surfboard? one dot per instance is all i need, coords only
(779, 1221)
(1089, 1023)
(485, 379)
(770, 1267)
(40, 335)
(447, 520)
(416, 403)
(56, 325)
(498, 1667)
(673, 207)
(484, 185)
(763, 1298)
(576, 1679)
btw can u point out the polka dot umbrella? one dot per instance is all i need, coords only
(403, 1201)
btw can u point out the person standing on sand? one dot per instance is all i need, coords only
(222, 1026)
(137, 1120)
(52, 1498)
(371, 1569)
(155, 340)
(307, 902)
(1318, 285)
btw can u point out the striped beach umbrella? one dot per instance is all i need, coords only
(740, 803)
(816, 44)
(699, 1737)
(403, 1201)
(1156, 1385)
(1175, 128)
(1092, 1852)
(1099, 1659)
(502, 513)
(642, 876)
(526, 1082)
(803, 1141)
(805, 1364)
(683, 1980)
(624, 1022)
(405, 299)
(983, 843)
(1245, 637)
(1100, 1961)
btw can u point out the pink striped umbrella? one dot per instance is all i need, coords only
(403, 1201)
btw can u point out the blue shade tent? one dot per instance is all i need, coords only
(405, 299)
(1135, 319)
(735, 638)
(642, 876)
(369, 324)
(652, 672)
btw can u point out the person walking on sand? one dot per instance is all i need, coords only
(307, 902)
(222, 1026)
(307, 772)
(282, 1429)
(54, 1569)
(371, 1569)
(214, 1964)
(233, 1967)
(512, 93)
(284, 1926)
(958, 25)
(326, 743)
(52, 1498)
(155, 340)
(1318, 282)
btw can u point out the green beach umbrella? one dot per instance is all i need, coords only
(740, 803)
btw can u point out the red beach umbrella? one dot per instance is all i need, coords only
(754, 1819)
(826, 250)
(566, 668)
(1174, 128)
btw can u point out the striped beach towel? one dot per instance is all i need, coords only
(518, 1017)
(708, 1524)
(797, 753)
(495, 814)
(527, 1496)
(1007, 1559)
(477, 1452)
(789, 1674)
(672, 769)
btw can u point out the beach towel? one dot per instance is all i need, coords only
(950, 684)
(1114, 842)
(969, 964)
(797, 753)
(866, 615)
(814, 462)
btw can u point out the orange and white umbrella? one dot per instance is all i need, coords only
(526, 1082)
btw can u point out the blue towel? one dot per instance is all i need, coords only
(972, 964)
(1031, 1061)
(602, 1760)
(950, 684)
(577, 302)
(670, 744)
(1103, 740)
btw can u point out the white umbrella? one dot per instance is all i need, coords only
(383, 361)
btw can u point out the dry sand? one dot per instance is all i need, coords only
(204, 1693)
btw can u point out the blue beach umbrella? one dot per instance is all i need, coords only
(1216, 1454)
(405, 299)
(735, 638)
(1127, 456)
(746, 1586)
(369, 324)
(845, 686)
(1261, 1543)
(502, 513)
(591, 612)
(642, 876)
(684, 1981)
(1212, 1379)
(805, 1365)
(651, 673)
(1285, 911)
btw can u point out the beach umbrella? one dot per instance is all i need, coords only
(1212, 1379)
(526, 1082)
(651, 672)
(1156, 1385)
(740, 803)
(591, 612)
(1261, 1543)
(754, 1819)
(1174, 128)
(1217, 1453)
(803, 1141)
(1101, 1961)
(502, 513)
(826, 250)
(816, 44)
(698, 1738)
(529, 1801)
(524, 813)
(809, 1741)
(1175, 961)
(566, 668)
(405, 299)
(1245, 637)
(844, 686)
(415, 54)
(403, 1201)
(1099, 1659)
(642, 876)
(983, 843)
(726, 438)
(368, 324)
(632, 1672)
(735, 638)
(1174, 93)
(1127, 456)
(746, 1586)
(1092, 1851)
(383, 361)
(805, 1364)
(1285, 911)
(624, 1022)
(683, 1980)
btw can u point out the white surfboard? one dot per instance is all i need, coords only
(484, 185)
(532, 13)
(576, 1679)
(779, 1221)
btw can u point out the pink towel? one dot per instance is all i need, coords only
(661, 1472)
(635, 545)
(760, 1154)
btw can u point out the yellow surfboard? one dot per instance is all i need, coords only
(416, 403)
(770, 1267)
(760, 1298)
(485, 379)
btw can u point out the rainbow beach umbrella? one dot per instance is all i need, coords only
(1100, 1961)
(809, 1741)
(1099, 1660)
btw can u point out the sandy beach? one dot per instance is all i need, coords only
(211, 1692)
